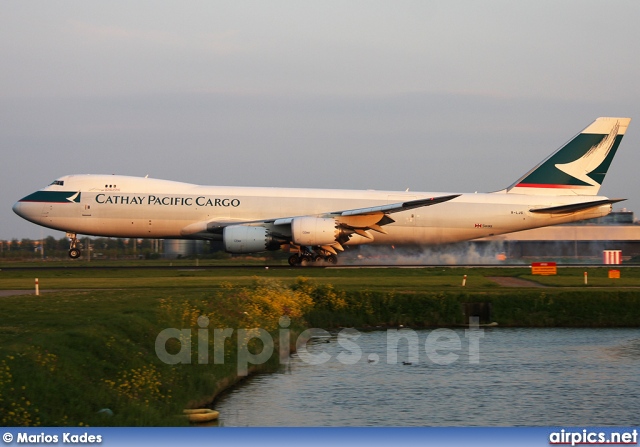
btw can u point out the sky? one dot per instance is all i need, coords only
(455, 96)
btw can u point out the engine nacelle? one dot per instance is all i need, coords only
(246, 239)
(314, 231)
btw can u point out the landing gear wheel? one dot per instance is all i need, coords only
(332, 259)
(74, 253)
(294, 260)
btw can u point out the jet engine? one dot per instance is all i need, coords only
(247, 239)
(314, 231)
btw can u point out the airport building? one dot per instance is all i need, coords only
(174, 248)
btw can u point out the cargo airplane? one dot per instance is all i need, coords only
(317, 224)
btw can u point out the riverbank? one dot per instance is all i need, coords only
(548, 307)
(92, 358)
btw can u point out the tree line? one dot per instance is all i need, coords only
(101, 247)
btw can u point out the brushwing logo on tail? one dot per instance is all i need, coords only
(578, 167)
(589, 162)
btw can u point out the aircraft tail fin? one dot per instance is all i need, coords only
(578, 167)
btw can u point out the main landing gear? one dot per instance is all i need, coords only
(74, 251)
(307, 257)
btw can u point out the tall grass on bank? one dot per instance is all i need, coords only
(74, 358)
(510, 308)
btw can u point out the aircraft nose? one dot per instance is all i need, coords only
(28, 210)
(17, 208)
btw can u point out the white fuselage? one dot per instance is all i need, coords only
(121, 206)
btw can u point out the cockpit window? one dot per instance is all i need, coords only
(58, 182)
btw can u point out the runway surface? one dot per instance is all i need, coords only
(288, 267)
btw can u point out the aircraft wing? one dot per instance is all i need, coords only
(397, 207)
(358, 220)
(371, 213)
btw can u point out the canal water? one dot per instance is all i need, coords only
(504, 377)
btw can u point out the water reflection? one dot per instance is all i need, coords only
(524, 377)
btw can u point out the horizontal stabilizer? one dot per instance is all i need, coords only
(575, 207)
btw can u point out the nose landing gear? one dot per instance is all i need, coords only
(74, 251)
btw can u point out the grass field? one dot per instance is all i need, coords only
(388, 279)
(349, 279)
(88, 343)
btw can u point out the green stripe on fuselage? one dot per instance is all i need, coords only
(53, 197)
(548, 174)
